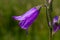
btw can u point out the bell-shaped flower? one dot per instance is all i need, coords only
(56, 25)
(28, 18)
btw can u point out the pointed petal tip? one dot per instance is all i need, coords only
(54, 31)
(13, 17)
(16, 17)
(25, 28)
(22, 26)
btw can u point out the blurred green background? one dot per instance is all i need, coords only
(9, 29)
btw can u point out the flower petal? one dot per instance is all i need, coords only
(55, 19)
(18, 18)
(55, 28)
(29, 12)
(29, 20)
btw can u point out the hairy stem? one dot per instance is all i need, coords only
(50, 34)
(49, 20)
(49, 17)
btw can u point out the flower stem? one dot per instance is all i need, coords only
(50, 26)
(50, 34)
(49, 17)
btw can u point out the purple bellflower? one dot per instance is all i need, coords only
(56, 25)
(28, 18)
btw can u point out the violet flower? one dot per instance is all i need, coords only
(56, 25)
(28, 18)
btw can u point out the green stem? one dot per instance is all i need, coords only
(50, 34)
(48, 20)
(49, 17)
